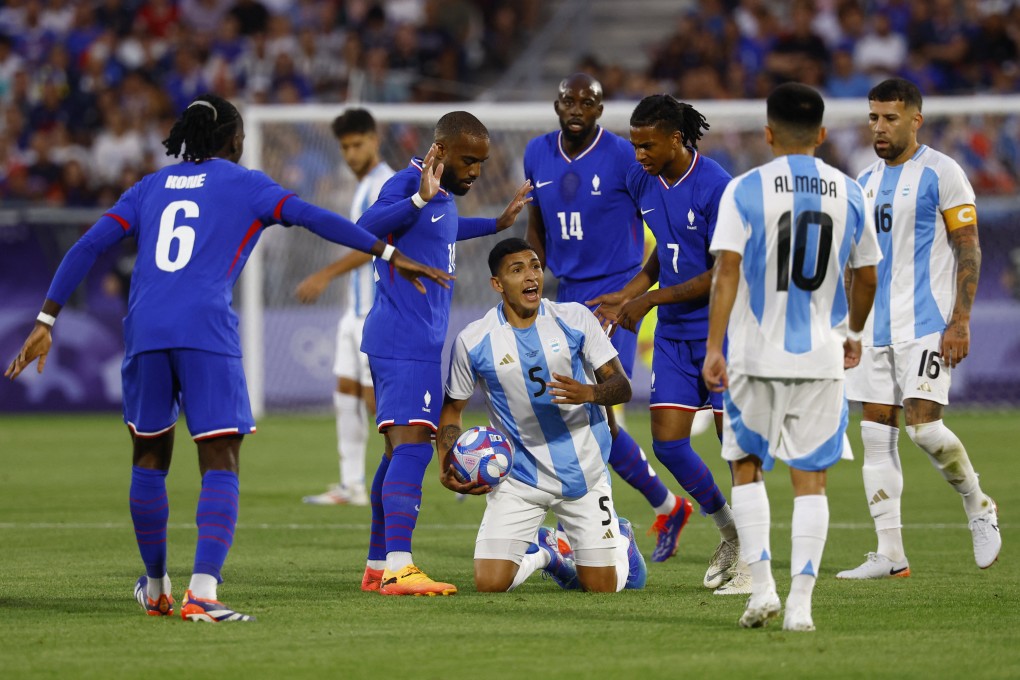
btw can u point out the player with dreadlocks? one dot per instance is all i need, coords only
(195, 222)
(678, 191)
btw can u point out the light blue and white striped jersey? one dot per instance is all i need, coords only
(559, 448)
(361, 281)
(797, 222)
(917, 276)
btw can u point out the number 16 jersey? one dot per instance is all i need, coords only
(797, 222)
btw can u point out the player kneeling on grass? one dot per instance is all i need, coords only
(548, 372)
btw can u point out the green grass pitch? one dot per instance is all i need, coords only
(68, 563)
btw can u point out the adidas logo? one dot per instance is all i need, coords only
(879, 497)
(608, 534)
(507, 360)
(924, 387)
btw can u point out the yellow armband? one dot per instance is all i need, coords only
(960, 216)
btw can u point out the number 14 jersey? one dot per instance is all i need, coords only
(797, 222)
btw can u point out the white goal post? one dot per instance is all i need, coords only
(294, 145)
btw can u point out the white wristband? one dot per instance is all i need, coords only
(854, 335)
(387, 252)
(47, 319)
(418, 201)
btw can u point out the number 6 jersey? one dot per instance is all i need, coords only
(797, 222)
(917, 276)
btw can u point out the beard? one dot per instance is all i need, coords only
(889, 152)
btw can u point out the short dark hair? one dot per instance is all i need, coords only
(506, 247)
(353, 122)
(460, 123)
(203, 129)
(896, 90)
(795, 112)
(669, 115)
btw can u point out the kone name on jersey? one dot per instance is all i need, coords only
(185, 181)
(805, 184)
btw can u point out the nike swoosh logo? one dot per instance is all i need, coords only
(539, 185)
(716, 574)
(436, 218)
(893, 572)
(645, 212)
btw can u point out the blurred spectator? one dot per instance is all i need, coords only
(252, 16)
(799, 49)
(203, 15)
(881, 51)
(844, 80)
(117, 147)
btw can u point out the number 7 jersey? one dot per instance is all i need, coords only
(797, 222)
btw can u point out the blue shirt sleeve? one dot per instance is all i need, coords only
(393, 212)
(79, 259)
(473, 227)
(326, 224)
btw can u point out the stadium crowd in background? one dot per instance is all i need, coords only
(89, 89)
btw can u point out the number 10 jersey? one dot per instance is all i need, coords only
(797, 222)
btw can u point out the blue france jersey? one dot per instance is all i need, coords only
(917, 275)
(797, 222)
(591, 224)
(558, 448)
(403, 323)
(195, 224)
(683, 218)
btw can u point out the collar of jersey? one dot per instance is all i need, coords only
(502, 317)
(417, 163)
(920, 150)
(594, 142)
(690, 169)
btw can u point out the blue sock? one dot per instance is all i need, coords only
(692, 473)
(626, 459)
(377, 539)
(150, 510)
(216, 518)
(401, 494)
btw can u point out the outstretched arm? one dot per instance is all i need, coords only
(450, 426)
(725, 280)
(611, 306)
(536, 232)
(314, 285)
(956, 338)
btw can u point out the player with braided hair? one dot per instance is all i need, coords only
(195, 222)
(678, 192)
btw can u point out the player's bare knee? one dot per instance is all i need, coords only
(219, 453)
(597, 579)
(920, 411)
(494, 576)
(153, 453)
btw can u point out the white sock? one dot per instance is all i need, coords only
(154, 587)
(622, 562)
(376, 564)
(883, 486)
(203, 586)
(530, 563)
(810, 527)
(752, 517)
(723, 518)
(397, 560)
(352, 438)
(946, 452)
(667, 505)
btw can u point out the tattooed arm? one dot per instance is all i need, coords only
(956, 338)
(612, 387)
(450, 427)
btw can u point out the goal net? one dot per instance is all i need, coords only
(289, 347)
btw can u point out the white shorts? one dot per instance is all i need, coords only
(904, 370)
(514, 511)
(350, 361)
(800, 422)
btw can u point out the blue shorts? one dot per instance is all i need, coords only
(209, 386)
(624, 341)
(676, 377)
(407, 392)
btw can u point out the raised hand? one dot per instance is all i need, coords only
(633, 312)
(412, 270)
(608, 309)
(514, 208)
(430, 176)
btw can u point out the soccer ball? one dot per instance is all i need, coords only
(482, 455)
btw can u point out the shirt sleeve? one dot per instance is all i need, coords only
(326, 224)
(460, 383)
(598, 349)
(713, 196)
(267, 198)
(730, 231)
(473, 227)
(393, 212)
(864, 248)
(108, 230)
(954, 187)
